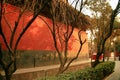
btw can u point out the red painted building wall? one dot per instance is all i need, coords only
(38, 36)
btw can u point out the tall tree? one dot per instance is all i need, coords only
(64, 20)
(104, 24)
(8, 59)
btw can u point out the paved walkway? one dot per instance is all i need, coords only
(44, 68)
(116, 74)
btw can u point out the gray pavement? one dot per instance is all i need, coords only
(44, 68)
(116, 74)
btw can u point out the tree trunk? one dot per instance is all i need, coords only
(61, 70)
(96, 62)
(103, 57)
(7, 75)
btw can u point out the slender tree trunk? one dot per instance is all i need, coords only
(60, 69)
(103, 57)
(96, 62)
(7, 75)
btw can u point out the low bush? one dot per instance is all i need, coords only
(107, 67)
(98, 73)
(1, 77)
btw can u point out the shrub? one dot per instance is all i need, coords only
(107, 67)
(98, 73)
(1, 77)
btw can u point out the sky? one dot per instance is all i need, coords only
(113, 4)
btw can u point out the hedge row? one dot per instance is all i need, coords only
(98, 73)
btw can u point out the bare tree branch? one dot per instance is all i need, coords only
(7, 23)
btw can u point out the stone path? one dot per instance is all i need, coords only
(44, 68)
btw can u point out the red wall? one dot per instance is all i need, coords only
(38, 36)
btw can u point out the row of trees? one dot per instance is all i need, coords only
(60, 13)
